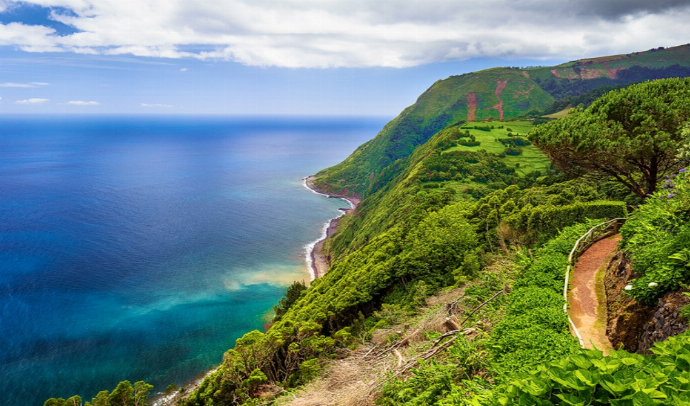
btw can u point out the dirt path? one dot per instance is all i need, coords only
(588, 292)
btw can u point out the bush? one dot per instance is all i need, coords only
(657, 239)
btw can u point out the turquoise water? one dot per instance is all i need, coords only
(140, 248)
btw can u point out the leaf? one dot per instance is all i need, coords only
(629, 361)
(587, 377)
(614, 388)
(642, 399)
(570, 399)
(581, 361)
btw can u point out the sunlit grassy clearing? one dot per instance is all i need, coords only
(531, 158)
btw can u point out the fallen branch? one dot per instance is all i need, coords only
(399, 356)
(504, 290)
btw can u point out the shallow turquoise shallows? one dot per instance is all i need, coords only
(140, 248)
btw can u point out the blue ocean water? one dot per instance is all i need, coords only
(140, 248)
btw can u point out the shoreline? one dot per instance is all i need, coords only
(316, 260)
(317, 264)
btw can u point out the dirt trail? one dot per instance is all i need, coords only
(587, 298)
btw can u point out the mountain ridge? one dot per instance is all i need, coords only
(501, 93)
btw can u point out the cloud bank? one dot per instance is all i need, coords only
(352, 33)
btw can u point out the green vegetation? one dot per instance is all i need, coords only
(452, 204)
(631, 135)
(484, 95)
(125, 394)
(590, 378)
(657, 239)
(443, 104)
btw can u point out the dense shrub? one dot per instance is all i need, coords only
(657, 239)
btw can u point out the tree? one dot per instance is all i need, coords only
(73, 401)
(631, 135)
(101, 399)
(141, 393)
(122, 395)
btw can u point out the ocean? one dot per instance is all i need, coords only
(139, 248)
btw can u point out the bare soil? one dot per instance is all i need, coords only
(587, 298)
(471, 105)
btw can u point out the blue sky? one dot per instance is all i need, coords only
(294, 56)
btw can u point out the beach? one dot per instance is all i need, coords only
(317, 260)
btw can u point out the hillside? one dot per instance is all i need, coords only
(450, 272)
(493, 94)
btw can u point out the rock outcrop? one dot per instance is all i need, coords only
(634, 326)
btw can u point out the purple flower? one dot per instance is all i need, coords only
(670, 195)
(666, 177)
(681, 170)
(667, 181)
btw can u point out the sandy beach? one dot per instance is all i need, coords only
(317, 259)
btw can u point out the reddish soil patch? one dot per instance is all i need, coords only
(524, 72)
(500, 85)
(525, 92)
(587, 313)
(592, 73)
(471, 105)
(565, 73)
(613, 73)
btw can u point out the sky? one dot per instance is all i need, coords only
(307, 57)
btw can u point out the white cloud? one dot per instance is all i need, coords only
(16, 85)
(83, 103)
(354, 33)
(183, 70)
(31, 84)
(157, 105)
(32, 101)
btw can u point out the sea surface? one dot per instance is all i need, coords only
(140, 248)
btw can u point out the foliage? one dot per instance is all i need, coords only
(657, 239)
(291, 295)
(534, 328)
(631, 135)
(444, 103)
(590, 378)
(438, 174)
(125, 394)
(521, 217)
(432, 381)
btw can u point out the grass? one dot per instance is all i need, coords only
(531, 159)
(559, 114)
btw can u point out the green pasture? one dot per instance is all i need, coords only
(531, 159)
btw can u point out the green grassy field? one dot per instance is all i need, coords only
(559, 114)
(531, 159)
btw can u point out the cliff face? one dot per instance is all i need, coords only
(635, 326)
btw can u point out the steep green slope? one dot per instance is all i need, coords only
(457, 163)
(493, 94)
